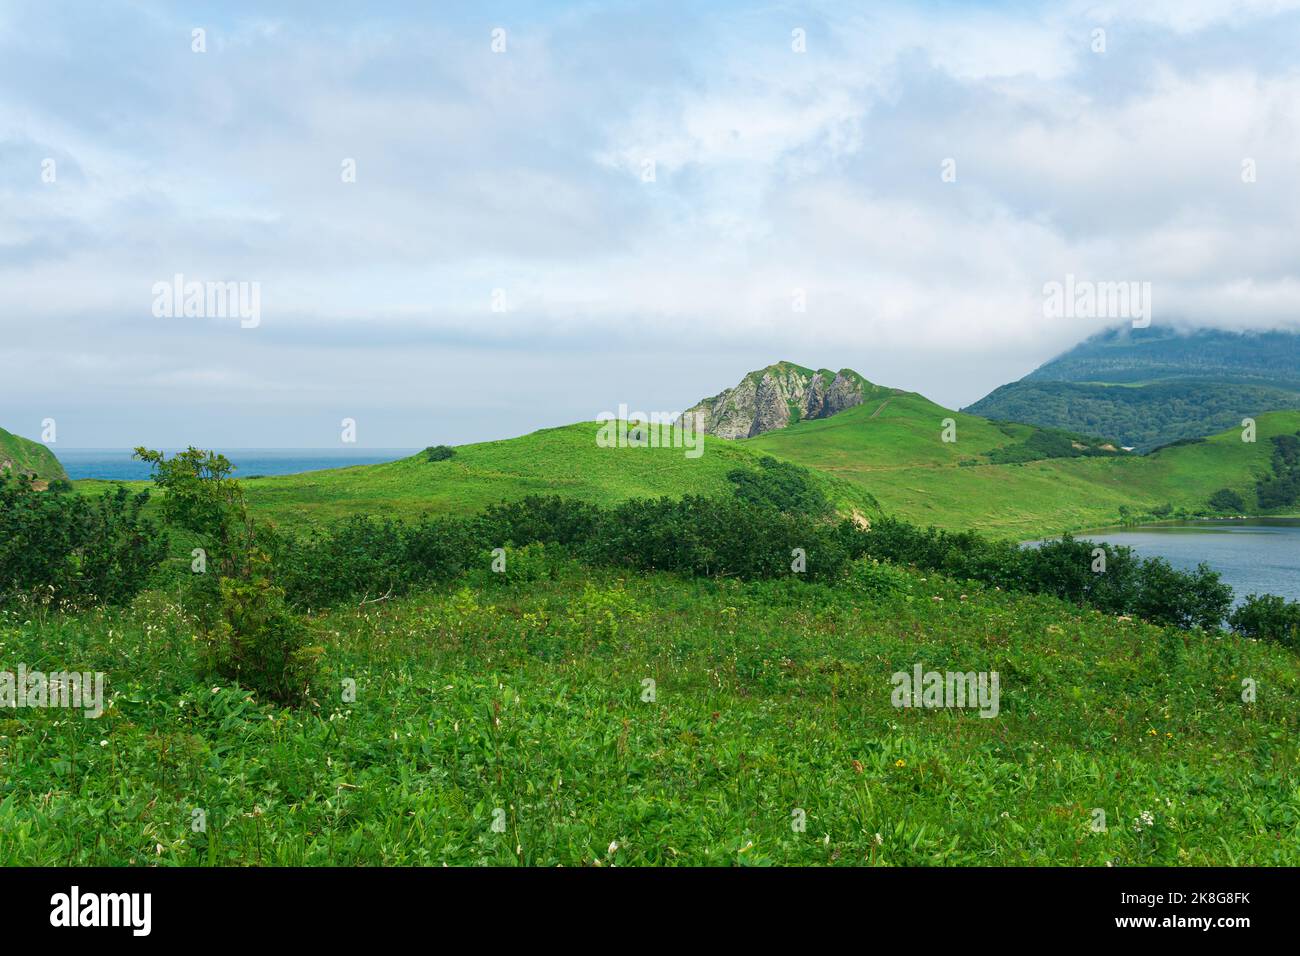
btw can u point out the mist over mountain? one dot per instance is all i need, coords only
(1148, 387)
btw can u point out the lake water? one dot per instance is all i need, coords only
(1253, 555)
(118, 465)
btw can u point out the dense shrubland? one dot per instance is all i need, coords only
(68, 550)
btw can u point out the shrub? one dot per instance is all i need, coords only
(1185, 599)
(869, 577)
(1267, 617)
(201, 497)
(259, 643)
(1151, 588)
(780, 485)
(75, 549)
(1225, 499)
(439, 452)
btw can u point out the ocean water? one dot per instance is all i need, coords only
(117, 463)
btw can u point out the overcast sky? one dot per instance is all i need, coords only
(525, 173)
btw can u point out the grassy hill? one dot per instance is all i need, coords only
(1148, 387)
(562, 461)
(897, 453)
(887, 456)
(29, 457)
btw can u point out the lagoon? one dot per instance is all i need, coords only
(1253, 555)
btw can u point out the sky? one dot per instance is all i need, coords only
(468, 221)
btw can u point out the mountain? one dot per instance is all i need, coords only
(29, 457)
(1148, 387)
(779, 395)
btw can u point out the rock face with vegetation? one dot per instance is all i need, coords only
(777, 396)
(21, 456)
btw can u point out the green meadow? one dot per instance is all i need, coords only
(582, 715)
(513, 723)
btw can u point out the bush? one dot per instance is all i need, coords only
(869, 577)
(259, 643)
(780, 485)
(1225, 499)
(1267, 617)
(1150, 588)
(439, 452)
(74, 549)
(1184, 599)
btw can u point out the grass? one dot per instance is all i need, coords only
(23, 455)
(899, 456)
(769, 698)
(564, 461)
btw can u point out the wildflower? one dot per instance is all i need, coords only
(613, 847)
(880, 841)
(900, 763)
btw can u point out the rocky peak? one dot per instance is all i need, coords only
(777, 396)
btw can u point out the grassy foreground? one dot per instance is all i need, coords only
(769, 698)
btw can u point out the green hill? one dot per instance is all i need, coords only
(888, 455)
(1148, 387)
(29, 457)
(564, 461)
(896, 451)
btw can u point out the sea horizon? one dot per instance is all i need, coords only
(118, 464)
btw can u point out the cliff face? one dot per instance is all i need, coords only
(775, 397)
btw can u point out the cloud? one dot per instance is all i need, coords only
(777, 175)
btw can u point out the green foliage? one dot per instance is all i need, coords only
(1069, 569)
(769, 696)
(369, 559)
(876, 579)
(780, 485)
(259, 642)
(1267, 617)
(1225, 499)
(439, 453)
(249, 633)
(20, 456)
(1282, 488)
(63, 548)
(1047, 443)
(201, 496)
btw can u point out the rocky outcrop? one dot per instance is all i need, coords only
(775, 397)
